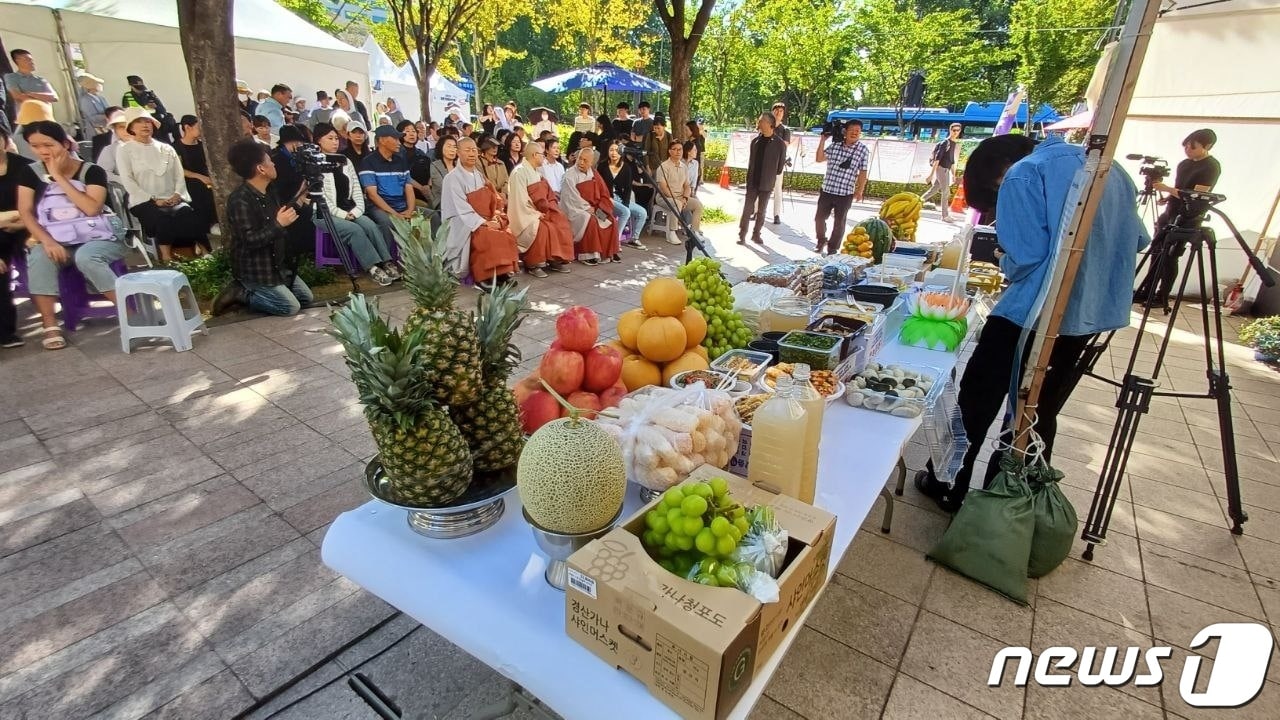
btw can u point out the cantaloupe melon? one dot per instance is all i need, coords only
(629, 324)
(691, 360)
(665, 296)
(638, 372)
(661, 339)
(695, 326)
(571, 477)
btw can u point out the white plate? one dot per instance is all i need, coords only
(839, 393)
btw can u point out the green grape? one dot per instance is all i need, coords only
(726, 576)
(673, 497)
(667, 565)
(666, 551)
(705, 541)
(737, 513)
(684, 542)
(725, 545)
(672, 541)
(707, 580)
(742, 525)
(710, 566)
(719, 487)
(649, 539)
(660, 525)
(692, 526)
(702, 490)
(735, 533)
(694, 506)
(674, 516)
(650, 518)
(719, 526)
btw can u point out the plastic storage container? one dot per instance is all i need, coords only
(900, 278)
(786, 314)
(896, 388)
(749, 365)
(819, 351)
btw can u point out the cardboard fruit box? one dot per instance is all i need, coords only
(694, 647)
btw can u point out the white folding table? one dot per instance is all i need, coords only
(486, 594)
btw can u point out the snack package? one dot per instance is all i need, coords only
(740, 575)
(665, 433)
(764, 547)
(751, 299)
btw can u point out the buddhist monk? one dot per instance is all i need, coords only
(542, 231)
(589, 206)
(479, 241)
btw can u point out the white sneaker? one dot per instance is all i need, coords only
(380, 276)
(673, 238)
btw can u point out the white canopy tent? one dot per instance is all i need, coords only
(1211, 67)
(390, 81)
(140, 37)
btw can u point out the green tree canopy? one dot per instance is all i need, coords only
(1056, 45)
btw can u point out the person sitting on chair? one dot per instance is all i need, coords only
(152, 174)
(673, 183)
(588, 203)
(479, 242)
(62, 203)
(542, 231)
(356, 231)
(257, 235)
(12, 234)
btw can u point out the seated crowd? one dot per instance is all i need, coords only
(511, 200)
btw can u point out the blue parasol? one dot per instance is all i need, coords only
(601, 76)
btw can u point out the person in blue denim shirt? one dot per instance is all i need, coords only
(1027, 186)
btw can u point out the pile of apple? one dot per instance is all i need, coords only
(585, 374)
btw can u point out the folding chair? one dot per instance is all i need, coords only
(118, 199)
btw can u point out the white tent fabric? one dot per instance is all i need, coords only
(399, 83)
(140, 37)
(1212, 67)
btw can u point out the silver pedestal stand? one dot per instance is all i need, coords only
(476, 509)
(559, 546)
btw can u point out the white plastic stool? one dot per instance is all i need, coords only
(178, 320)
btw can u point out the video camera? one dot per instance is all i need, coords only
(834, 128)
(634, 152)
(312, 163)
(1153, 168)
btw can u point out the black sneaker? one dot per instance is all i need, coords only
(231, 295)
(937, 492)
(589, 261)
(616, 258)
(559, 268)
(12, 341)
(635, 244)
(777, 220)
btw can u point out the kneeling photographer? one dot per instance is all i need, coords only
(1199, 171)
(340, 188)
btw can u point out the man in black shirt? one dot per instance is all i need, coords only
(622, 122)
(257, 231)
(1199, 171)
(940, 166)
(12, 234)
(767, 158)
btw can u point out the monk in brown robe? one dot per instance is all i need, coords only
(542, 231)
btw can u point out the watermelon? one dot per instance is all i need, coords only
(880, 234)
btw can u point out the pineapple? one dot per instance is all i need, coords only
(423, 453)
(492, 423)
(451, 353)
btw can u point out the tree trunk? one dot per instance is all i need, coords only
(678, 112)
(204, 27)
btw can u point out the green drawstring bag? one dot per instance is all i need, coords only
(1055, 521)
(990, 538)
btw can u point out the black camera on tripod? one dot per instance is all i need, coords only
(312, 163)
(632, 151)
(1153, 168)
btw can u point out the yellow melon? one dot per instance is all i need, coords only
(695, 326)
(691, 360)
(638, 372)
(664, 296)
(629, 324)
(701, 351)
(661, 339)
(571, 477)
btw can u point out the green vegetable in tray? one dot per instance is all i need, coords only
(815, 349)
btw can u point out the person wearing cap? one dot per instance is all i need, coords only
(263, 95)
(301, 115)
(151, 173)
(139, 95)
(273, 107)
(358, 144)
(93, 106)
(257, 234)
(480, 243)
(584, 121)
(291, 186)
(119, 128)
(24, 84)
(321, 114)
(244, 97)
(100, 141)
(384, 176)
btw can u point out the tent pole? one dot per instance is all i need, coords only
(1083, 200)
(64, 59)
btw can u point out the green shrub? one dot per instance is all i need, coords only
(315, 276)
(715, 215)
(206, 274)
(807, 181)
(1263, 335)
(717, 150)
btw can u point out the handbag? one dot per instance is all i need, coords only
(68, 224)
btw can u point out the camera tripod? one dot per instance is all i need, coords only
(692, 239)
(1185, 235)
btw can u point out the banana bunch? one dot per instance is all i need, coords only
(857, 242)
(902, 212)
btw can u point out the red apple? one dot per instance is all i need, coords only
(602, 368)
(562, 369)
(537, 410)
(556, 345)
(578, 328)
(526, 386)
(612, 397)
(584, 401)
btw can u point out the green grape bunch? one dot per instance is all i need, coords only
(695, 522)
(712, 296)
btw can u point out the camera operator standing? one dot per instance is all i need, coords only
(1200, 171)
(844, 181)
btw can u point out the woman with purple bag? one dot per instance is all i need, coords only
(61, 201)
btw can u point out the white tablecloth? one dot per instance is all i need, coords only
(486, 593)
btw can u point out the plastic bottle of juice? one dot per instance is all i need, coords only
(814, 405)
(777, 429)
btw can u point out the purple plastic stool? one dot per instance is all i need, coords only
(327, 254)
(73, 292)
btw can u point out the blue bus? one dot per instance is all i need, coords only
(978, 118)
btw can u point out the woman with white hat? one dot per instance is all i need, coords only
(152, 175)
(93, 106)
(120, 130)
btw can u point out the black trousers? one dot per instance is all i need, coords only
(1162, 269)
(985, 384)
(9, 244)
(756, 202)
(827, 205)
(182, 227)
